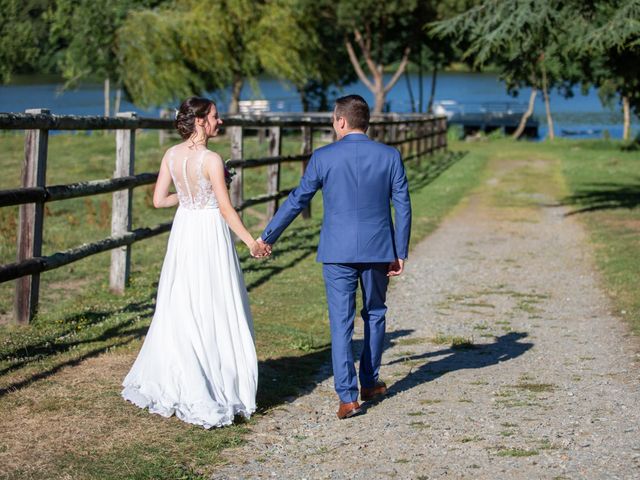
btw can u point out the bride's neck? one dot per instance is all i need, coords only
(197, 141)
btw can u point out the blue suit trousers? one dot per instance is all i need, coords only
(341, 284)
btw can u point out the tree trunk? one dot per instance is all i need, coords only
(410, 90)
(379, 101)
(378, 88)
(420, 83)
(526, 115)
(626, 131)
(107, 96)
(304, 99)
(235, 95)
(432, 95)
(116, 105)
(545, 93)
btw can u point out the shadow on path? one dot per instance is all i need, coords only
(604, 196)
(506, 347)
(282, 378)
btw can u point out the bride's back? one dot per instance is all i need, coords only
(190, 178)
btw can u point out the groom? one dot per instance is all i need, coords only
(359, 179)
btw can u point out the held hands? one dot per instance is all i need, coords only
(396, 268)
(259, 249)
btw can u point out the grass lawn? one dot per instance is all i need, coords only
(60, 377)
(604, 192)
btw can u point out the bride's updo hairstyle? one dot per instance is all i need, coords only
(190, 109)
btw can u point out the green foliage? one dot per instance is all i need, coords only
(594, 43)
(387, 26)
(154, 68)
(299, 42)
(384, 34)
(24, 31)
(522, 38)
(621, 29)
(88, 35)
(188, 47)
(606, 39)
(290, 45)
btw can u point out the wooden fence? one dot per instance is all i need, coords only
(414, 135)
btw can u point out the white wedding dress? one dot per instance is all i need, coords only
(198, 360)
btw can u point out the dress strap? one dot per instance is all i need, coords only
(171, 157)
(185, 179)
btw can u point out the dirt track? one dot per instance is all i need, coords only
(542, 381)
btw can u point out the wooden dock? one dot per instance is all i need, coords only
(488, 117)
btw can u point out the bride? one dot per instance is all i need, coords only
(198, 359)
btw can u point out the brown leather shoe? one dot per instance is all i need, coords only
(348, 410)
(378, 390)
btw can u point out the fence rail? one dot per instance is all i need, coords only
(415, 135)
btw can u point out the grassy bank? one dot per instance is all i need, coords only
(59, 378)
(604, 192)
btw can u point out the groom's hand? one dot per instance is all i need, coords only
(259, 249)
(266, 247)
(396, 268)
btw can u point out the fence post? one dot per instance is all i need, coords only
(403, 137)
(163, 135)
(121, 207)
(442, 142)
(307, 148)
(418, 142)
(237, 145)
(31, 218)
(414, 143)
(273, 171)
(433, 135)
(393, 128)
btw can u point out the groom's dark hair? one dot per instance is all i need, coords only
(354, 109)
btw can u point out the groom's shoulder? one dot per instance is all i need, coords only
(326, 150)
(393, 151)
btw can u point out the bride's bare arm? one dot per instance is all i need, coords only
(215, 171)
(161, 196)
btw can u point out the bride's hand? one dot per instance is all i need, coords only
(259, 249)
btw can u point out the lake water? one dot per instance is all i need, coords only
(580, 116)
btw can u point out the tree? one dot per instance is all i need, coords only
(523, 39)
(89, 37)
(382, 33)
(189, 45)
(610, 52)
(25, 46)
(154, 69)
(431, 51)
(299, 43)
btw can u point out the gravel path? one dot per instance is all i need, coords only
(541, 380)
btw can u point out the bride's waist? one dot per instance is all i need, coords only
(198, 208)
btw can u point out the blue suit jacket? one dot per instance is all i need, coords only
(359, 178)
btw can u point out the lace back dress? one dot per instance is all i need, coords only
(198, 360)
